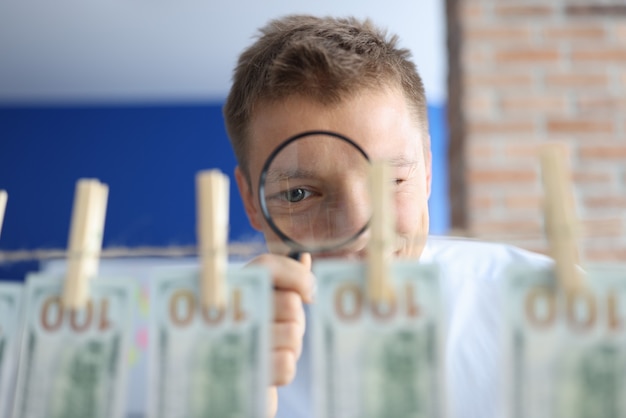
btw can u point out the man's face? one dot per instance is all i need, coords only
(380, 122)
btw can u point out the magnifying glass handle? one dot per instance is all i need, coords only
(295, 255)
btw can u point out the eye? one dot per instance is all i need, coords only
(403, 173)
(295, 195)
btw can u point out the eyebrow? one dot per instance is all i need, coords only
(402, 162)
(277, 175)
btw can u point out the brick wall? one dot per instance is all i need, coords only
(537, 71)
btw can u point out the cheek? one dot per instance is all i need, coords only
(411, 213)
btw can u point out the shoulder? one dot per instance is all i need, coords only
(478, 259)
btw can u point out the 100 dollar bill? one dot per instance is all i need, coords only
(210, 362)
(141, 271)
(378, 360)
(73, 363)
(10, 309)
(566, 354)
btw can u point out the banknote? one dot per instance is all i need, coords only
(72, 363)
(141, 271)
(378, 360)
(209, 362)
(10, 317)
(565, 354)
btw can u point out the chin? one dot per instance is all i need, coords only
(410, 247)
(360, 255)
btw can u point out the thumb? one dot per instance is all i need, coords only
(305, 259)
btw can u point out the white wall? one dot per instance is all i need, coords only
(170, 50)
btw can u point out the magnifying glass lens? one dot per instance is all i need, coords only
(314, 191)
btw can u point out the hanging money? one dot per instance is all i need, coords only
(566, 354)
(208, 362)
(72, 363)
(10, 310)
(377, 360)
(141, 271)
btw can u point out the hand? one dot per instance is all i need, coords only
(293, 284)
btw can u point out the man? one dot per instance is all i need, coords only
(343, 75)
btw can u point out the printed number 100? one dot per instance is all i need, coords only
(183, 306)
(53, 315)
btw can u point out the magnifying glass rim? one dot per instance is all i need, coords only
(296, 246)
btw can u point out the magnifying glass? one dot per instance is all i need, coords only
(313, 192)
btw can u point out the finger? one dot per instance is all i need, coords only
(284, 367)
(288, 307)
(305, 260)
(289, 274)
(288, 336)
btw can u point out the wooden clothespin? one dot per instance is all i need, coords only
(85, 242)
(561, 224)
(212, 233)
(382, 238)
(3, 205)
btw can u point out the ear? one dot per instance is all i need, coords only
(247, 196)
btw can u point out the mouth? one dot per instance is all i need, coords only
(350, 256)
(360, 255)
(404, 248)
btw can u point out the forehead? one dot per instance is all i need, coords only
(380, 121)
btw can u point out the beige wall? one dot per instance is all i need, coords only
(537, 71)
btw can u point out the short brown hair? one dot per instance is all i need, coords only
(325, 59)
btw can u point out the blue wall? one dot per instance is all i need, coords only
(148, 155)
(438, 203)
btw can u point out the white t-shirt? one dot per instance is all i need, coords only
(471, 274)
